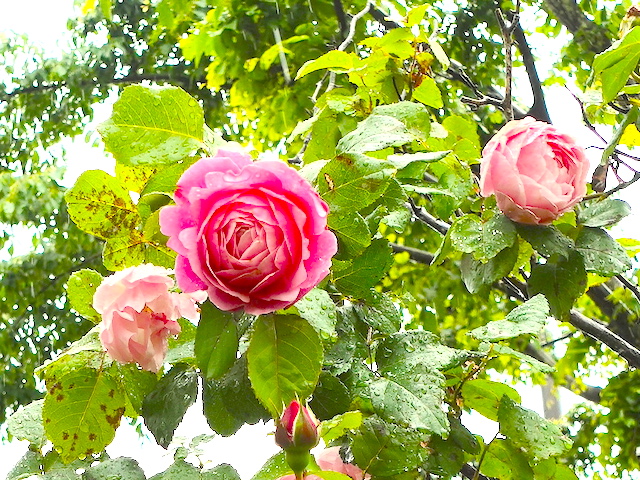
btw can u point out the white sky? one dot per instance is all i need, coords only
(44, 21)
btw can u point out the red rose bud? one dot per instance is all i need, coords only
(297, 428)
(296, 434)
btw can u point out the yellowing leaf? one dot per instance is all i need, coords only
(631, 136)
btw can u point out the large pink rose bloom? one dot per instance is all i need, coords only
(536, 172)
(253, 234)
(139, 313)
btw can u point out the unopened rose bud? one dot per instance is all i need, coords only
(297, 428)
(296, 434)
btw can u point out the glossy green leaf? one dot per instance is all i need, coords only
(153, 126)
(165, 406)
(526, 319)
(330, 398)
(349, 183)
(29, 465)
(352, 232)
(546, 241)
(484, 240)
(562, 282)
(273, 468)
(26, 424)
(380, 313)
(230, 401)
(98, 204)
(477, 275)
(81, 412)
(535, 436)
(365, 271)
(604, 213)
(484, 396)
(216, 341)
(335, 60)
(375, 133)
(339, 425)
(81, 287)
(428, 93)
(317, 308)
(414, 117)
(601, 253)
(285, 359)
(385, 449)
(504, 461)
(115, 468)
(615, 64)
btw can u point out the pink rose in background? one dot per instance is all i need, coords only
(139, 312)
(329, 459)
(253, 234)
(536, 172)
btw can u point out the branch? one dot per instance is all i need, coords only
(425, 217)
(585, 31)
(342, 18)
(470, 472)
(600, 332)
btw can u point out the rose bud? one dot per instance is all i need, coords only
(296, 434)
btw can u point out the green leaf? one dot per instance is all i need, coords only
(81, 287)
(477, 275)
(604, 213)
(601, 253)
(414, 165)
(506, 462)
(536, 437)
(536, 365)
(546, 241)
(339, 425)
(124, 251)
(335, 60)
(100, 205)
(380, 312)
(352, 231)
(317, 308)
(484, 396)
(165, 406)
(469, 234)
(137, 384)
(526, 319)
(385, 449)
(221, 472)
(164, 180)
(182, 348)
(349, 183)
(230, 402)
(615, 64)
(330, 398)
(414, 117)
(274, 468)
(29, 466)
(81, 412)
(374, 133)
(366, 270)
(115, 468)
(153, 126)
(216, 341)
(562, 282)
(285, 359)
(26, 424)
(428, 93)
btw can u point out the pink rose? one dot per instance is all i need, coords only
(253, 234)
(139, 312)
(329, 459)
(535, 172)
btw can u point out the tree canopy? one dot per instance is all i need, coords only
(384, 107)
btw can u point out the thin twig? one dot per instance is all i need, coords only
(630, 286)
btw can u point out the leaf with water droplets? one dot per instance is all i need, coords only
(26, 424)
(165, 406)
(153, 126)
(535, 436)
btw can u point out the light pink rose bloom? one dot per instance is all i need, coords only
(536, 172)
(253, 234)
(306, 477)
(329, 459)
(139, 312)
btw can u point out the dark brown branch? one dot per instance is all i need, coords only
(342, 18)
(586, 32)
(470, 472)
(428, 219)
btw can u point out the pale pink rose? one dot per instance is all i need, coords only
(253, 234)
(329, 459)
(139, 313)
(306, 477)
(536, 172)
